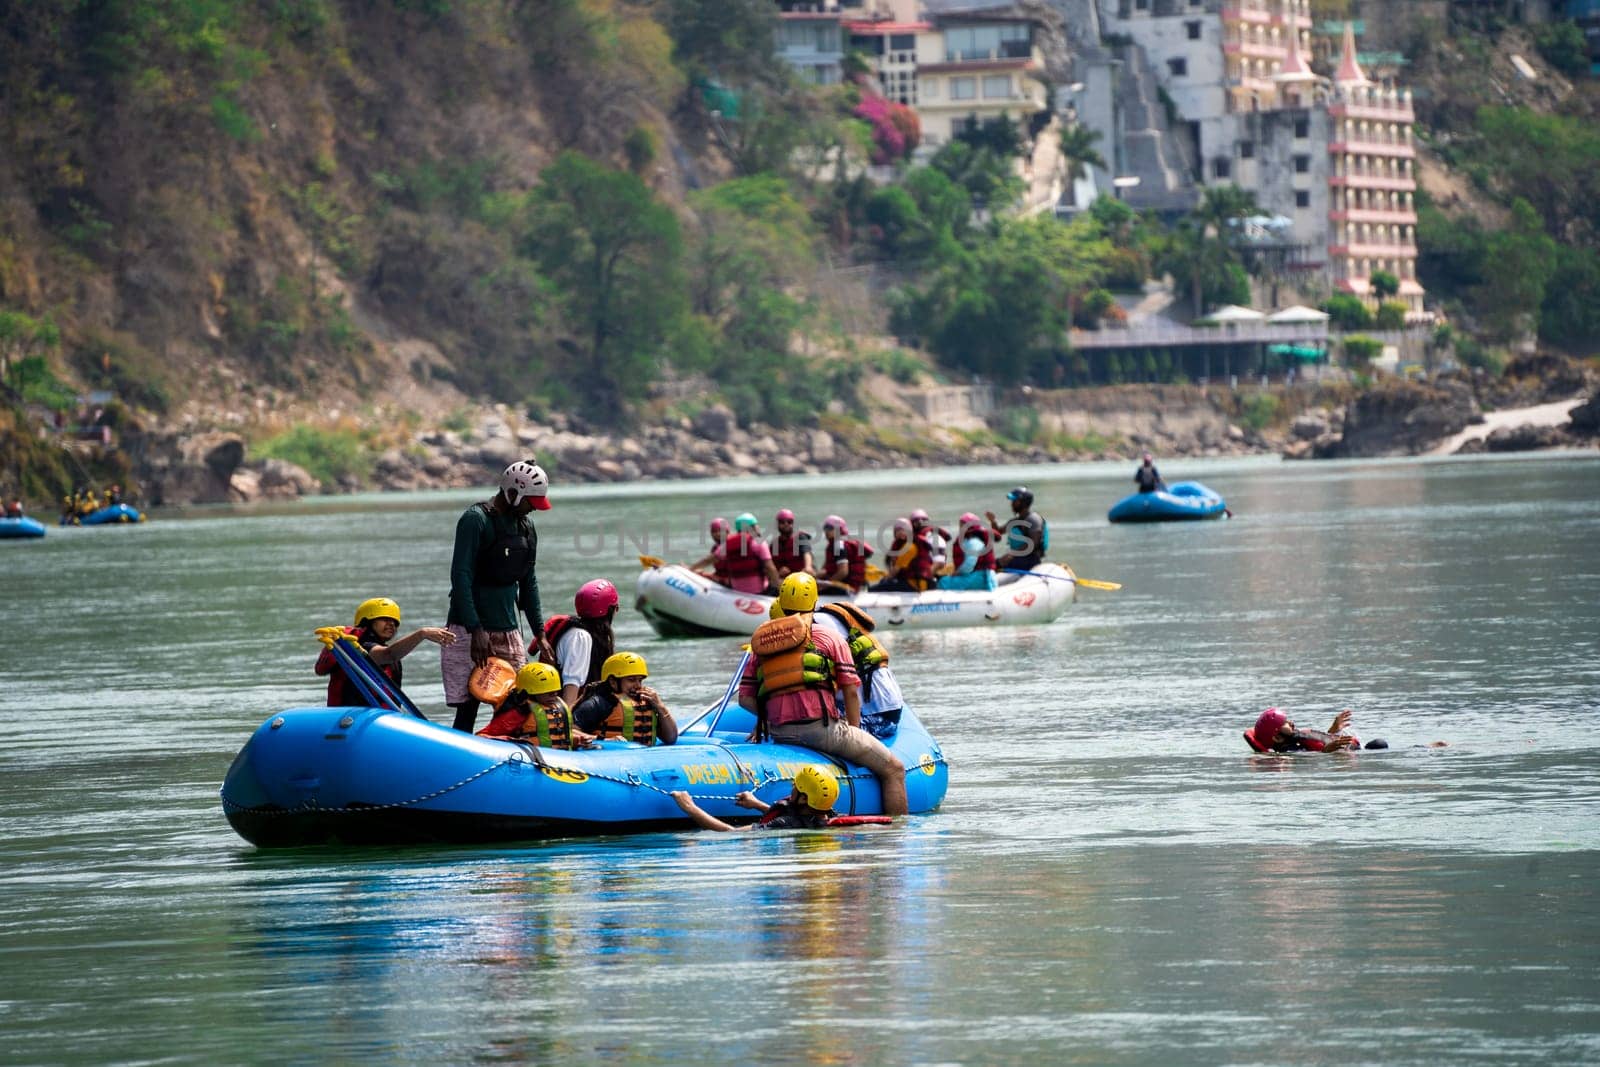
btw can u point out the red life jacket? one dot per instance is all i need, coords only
(342, 692)
(985, 562)
(554, 628)
(921, 566)
(855, 553)
(790, 552)
(738, 558)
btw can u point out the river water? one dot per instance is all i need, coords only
(1112, 879)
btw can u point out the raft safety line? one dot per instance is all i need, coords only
(517, 757)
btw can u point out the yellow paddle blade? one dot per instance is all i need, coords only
(875, 574)
(648, 562)
(1090, 583)
(329, 634)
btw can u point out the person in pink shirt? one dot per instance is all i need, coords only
(740, 560)
(790, 679)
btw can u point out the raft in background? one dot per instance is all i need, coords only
(677, 602)
(110, 515)
(18, 528)
(1180, 502)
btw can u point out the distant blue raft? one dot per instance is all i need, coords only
(388, 776)
(1185, 500)
(11, 529)
(111, 515)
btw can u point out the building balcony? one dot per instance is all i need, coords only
(1388, 149)
(1374, 216)
(1256, 50)
(1374, 182)
(1373, 251)
(1363, 102)
(992, 63)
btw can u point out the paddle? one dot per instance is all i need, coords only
(651, 562)
(364, 674)
(1087, 583)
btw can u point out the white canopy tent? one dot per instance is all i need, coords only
(1296, 315)
(1230, 314)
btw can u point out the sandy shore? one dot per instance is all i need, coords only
(1555, 414)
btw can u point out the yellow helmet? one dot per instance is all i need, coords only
(818, 786)
(536, 679)
(379, 607)
(776, 610)
(623, 665)
(798, 593)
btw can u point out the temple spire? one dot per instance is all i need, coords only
(1349, 70)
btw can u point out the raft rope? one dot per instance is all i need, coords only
(631, 779)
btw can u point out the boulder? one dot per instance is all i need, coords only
(1586, 418)
(1524, 438)
(1405, 418)
(500, 452)
(195, 469)
(820, 447)
(1309, 426)
(281, 479)
(245, 486)
(716, 423)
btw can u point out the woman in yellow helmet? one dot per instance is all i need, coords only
(534, 711)
(623, 706)
(377, 621)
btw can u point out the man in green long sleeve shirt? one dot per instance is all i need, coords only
(492, 574)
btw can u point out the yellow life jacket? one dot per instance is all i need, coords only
(867, 651)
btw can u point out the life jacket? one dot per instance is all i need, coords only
(958, 555)
(557, 625)
(738, 558)
(789, 553)
(786, 815)
(630, 721)
(787, 659)
(920, 569)
(523, 718)
(509, 556)
(853, 552)
(342, 692)
(1301, 741)
(867, 651)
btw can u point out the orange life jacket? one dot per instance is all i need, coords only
(787, 660)
(523, 718)
(631, 721)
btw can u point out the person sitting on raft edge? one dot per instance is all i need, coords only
(1274, 732)
(809, 806)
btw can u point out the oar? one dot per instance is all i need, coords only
(722, 704)
(651, 562)
(1088, 583)
(372, 683)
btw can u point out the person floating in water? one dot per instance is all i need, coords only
(1275, 732)
(809, 806)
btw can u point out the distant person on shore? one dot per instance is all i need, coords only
(972, 556)
(1147, 478)
(623, 706)
(791, 548)
(377, 621)
(534, 711)
(492, 574)
(581, 643)
(1274, 732)
(1025, 535)
(809, 806)
(844, 558)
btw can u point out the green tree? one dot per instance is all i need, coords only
(1518, 264)
(1359, 351)
(614, 254)
(987, 175)
(1563, 46)
(1384, 284)
(1391, 315)
(1078, 151)
(1347, 312)
(1202, 248)
(730, 39)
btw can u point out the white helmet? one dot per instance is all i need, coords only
(526, 479)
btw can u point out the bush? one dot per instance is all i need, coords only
(1384, 283)
(1360, 351)
(1563, 46)
(1391, 315)
(1257, 411)
(326, 454)
(1347, 312)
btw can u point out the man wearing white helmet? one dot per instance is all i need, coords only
(491, 576)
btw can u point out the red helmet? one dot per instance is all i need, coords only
(784, 514)
(719, 525)
(595, 599)
(1268, 725)
(837, 523)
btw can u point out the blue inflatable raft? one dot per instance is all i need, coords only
(385, 775)
(111, 515)
(23, 527)
(1184, 500)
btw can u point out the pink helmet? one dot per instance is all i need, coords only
(595, 599)
(969, 519)
(837, 523)
(920, 516)
(902, 527)
(719, 525)
(785, 515)
(1267, 726)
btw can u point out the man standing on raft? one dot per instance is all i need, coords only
(491, 576)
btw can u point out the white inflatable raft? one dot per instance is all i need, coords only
(680, 603)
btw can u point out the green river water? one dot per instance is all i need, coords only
(1113, 878)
